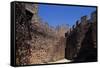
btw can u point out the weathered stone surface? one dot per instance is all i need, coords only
(36, 41)
(22, 35)
(81, 42)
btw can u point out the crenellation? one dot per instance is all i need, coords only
(82, 37)
(84, 19)
(73, 27)
(77, 23)
(94, 17)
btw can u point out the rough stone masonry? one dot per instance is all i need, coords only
(81, 40)
(36, 42)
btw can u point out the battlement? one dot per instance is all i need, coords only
(73, 26)
(77, 23)
(80, 34)
(33, 8)
(93, 16)
(84, 19)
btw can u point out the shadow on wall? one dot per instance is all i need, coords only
(81, 41)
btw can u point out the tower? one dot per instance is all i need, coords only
(33, 8)
(35, 17)
(84, 19)
(93, 16)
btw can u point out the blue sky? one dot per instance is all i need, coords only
(57, 15)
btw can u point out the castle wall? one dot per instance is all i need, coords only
(82, 37)
(36, 42)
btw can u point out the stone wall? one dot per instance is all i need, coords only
(36, 42)
(81, 41)
(22, 35)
